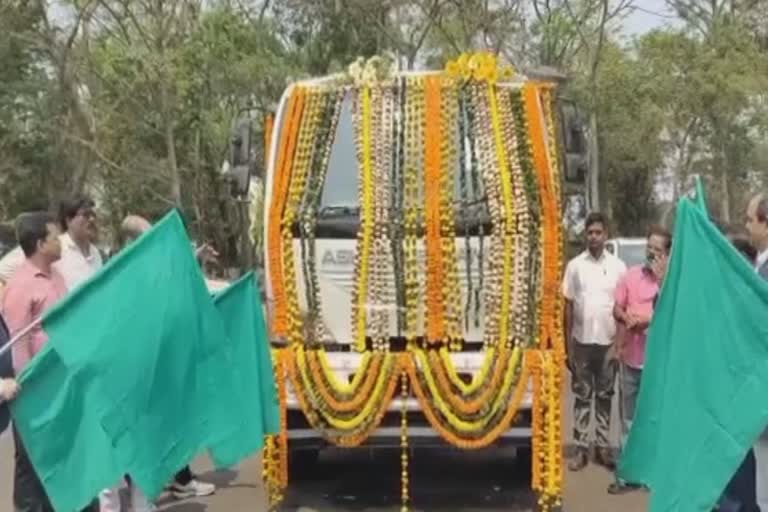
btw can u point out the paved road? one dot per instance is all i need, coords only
(443, 481)
(361, 481)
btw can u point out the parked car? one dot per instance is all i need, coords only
(632, 251)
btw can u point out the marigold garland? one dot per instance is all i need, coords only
(342, 430)
(486, 438)
(481, 125)
(558, 342)
(551, 217)
(508, 224)
(308, 211)
(404, 477)
(547, 471)
(406, 131)
(433, 170)
(321, 383)
(340, 387)
(414, 135)
(478, 422)
(280, 198)
(478, 380)
(459, 402)
(366, 221)
(450, 286)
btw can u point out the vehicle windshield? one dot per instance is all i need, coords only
(340, 193)
(340, 190)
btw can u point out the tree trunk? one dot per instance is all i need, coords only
(594, 164)
(170, 144)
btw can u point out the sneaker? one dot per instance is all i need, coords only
(579, 462)
(194, 489)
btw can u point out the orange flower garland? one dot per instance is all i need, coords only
(320, 383)
(510, 143)
(280, 197)
(551, 216)
(486, 438)
(344, 439)
(459, 402)
(433, 169)
(548, 103)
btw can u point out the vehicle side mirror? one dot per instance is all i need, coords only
(574, 144)
(241, 166)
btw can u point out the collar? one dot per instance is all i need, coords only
(34, 270)
(67, 240)
(602, 258)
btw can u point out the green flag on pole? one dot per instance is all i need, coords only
(702, 397)
(241, 311)
(701, 196)
(136, 378)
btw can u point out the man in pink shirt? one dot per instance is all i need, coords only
(33, 289)
(635, 300)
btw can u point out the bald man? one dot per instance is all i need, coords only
(185, 485)
(132, 227)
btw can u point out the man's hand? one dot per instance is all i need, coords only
(631, 320)
(659, 266)
(9, 389)
(207, 253)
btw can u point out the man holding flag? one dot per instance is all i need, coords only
(34, 288)
(702, 401)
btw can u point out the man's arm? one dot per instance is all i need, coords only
(569, 292)
(568, 324)
(17, 311)
(624, 321)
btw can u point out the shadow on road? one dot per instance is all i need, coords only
(441, 480)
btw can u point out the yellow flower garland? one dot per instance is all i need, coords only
(366, 219)
(478, 380)
(508, 231)
(456, 422)
(467, 414)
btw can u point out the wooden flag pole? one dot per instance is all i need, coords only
(19, 336)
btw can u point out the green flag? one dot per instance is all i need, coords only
(701, 196)
(241, 311)
(136, 377)
(702, 397)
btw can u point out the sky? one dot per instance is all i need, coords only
(650, 14)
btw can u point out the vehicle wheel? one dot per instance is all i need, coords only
(524, 458)
(302, 462)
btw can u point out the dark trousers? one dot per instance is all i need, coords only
(592, 382)
(28, 492)
(184, 476)
(740, 494)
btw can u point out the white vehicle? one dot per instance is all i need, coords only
(632, 251)
(335, 242)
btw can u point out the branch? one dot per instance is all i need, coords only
(105, 159)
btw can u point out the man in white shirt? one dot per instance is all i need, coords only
(588, 287)
(80, 259)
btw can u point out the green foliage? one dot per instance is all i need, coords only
(134, 101)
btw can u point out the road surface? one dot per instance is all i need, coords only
(364, 481)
